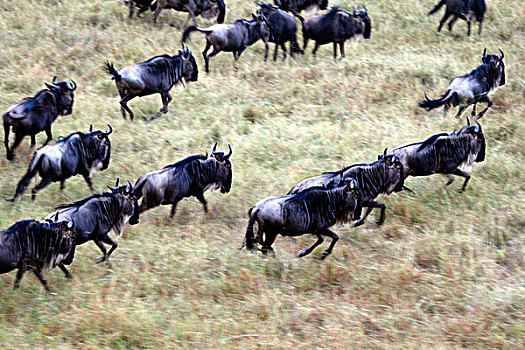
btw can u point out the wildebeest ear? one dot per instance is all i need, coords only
(90, 127)
(56, 216)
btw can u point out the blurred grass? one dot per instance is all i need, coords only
(444, 271)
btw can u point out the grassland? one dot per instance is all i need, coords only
(446, 270)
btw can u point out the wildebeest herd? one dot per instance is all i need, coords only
(312, 206)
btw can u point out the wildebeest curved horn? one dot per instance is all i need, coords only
(502, 54)
(72, 86)
(54, 81)
(478, 127)
(90, 127)
(214, 148)
(468, 122)
(110, 130)
(485, 53)
(354, 10)
(130, 187)
(229, 153)
(384, 152)
(116, 183)
(366, 11)
(56, 216)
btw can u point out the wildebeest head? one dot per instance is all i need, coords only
(365, 23)
(190, 71)
(129, 202)
(103, 144)
(224, 169)
(478, 140)
(395, 170)
(353, 198)
(497, 61)
(65, 95)
(66, 229)
(264, 27)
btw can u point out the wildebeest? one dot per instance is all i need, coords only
(467, 10)
(296, 6)
(336, 27)
(35, 114)
(233, 38)
(30, 245)
(97, 215)
(472, 88)
(384, 176)
(156, 75)
(79, 153)
(283, 29)
(449, 154)
(142, 5)
(190, 177)
(193, 8)
(313, 210)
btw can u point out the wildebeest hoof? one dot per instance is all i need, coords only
(358, 223)
(303, 253)
(380, 222)
(324, 255)
(102, 259)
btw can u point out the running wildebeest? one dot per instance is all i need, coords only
(155, 76)
(30, 245)
(283, 29)
(233, 38)
(35, 114)
(467, 10)
(313, 210)
(449, 154)
(97, 215)
(382, 177)
(194, 8)
(142, 5)
(472, 88)
(190, 177)
(336, 27)
(296, 6)
(79, 153)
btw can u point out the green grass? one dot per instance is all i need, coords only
(446, 270)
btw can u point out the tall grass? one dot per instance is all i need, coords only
(446, 270)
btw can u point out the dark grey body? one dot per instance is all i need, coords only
(78, 154)
(296, 6)
(233, 38)
(155, 76)
(313, 210)
(449, 154)
(283, 29)
(35, 114)
(382, 177)
(190, 177)
(194, 8)
(336, 27)
(467, 10)
(37, 246)
(472, 88)
(97, 215)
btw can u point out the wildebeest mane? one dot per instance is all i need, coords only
(159, 56)
(327, 18)
(429, 141)
(185, 161)
(81, 202)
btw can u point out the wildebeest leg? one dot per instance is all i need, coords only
(142, 10)
(335, 50)
(201, 199)
(342, 48)
(480, 25)
(157, 12)
(33, 141)
(21, 270)
(131, 5)
(463, 174)
(174, 207)
(48, 134)
(307, 251)
(6, 138)
(206, 58)
(460, 111)
(114, 245)
(275, 52)
(283, 46)
(269, 238)
(371, 205)
(450, 180)
(166, 98)
(62, 185)
(473, 113)
(315, 48)
(124, 104)
(213, 53)
(66, 272)
(16, 143)
(362, 220)
(452, 21)
(334, 238)
(444, 19)
(266, 48)
(468, 27)
(38, 272)
(103, 249)
(87, 178)
(41, 185)
(489, 104)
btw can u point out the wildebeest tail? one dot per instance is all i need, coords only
(190, 29)
(222, 11)
(24, 182)
(438, 6)
(446, 99)
(108, 68)
(249, 239)
(153, 6)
